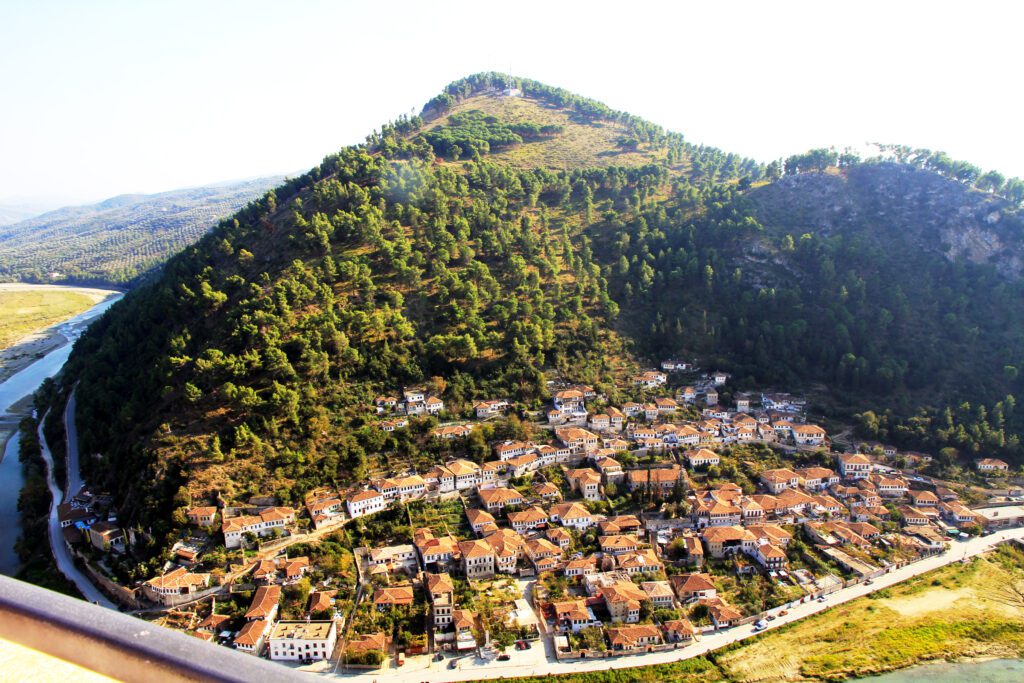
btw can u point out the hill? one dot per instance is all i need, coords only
(120, 239)
(447, 251)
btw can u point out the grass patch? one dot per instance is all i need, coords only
(25, 311)
(954, 612)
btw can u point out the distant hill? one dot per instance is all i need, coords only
(494, 242)
(118, 240)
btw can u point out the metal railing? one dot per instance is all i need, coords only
(117, 645)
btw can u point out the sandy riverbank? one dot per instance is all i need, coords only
(39, 342)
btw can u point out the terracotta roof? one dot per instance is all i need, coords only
(393, 595)
(367, 641)
(264, 602)
(440, 583)
(251, 633)
(179, 578)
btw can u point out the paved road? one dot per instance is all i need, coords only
(471, 671)
(74, 474)
(61, 554)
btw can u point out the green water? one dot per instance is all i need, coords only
(993, 671)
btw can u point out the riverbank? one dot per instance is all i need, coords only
(961, 611)
(30, 317)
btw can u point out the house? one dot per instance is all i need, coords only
(991, 465)
(691, 587)
(289, 568)
(359, 643)
(107, 537)
(778, 480)
(391, 597)
(264, 603)
(702, 457)
(580, 567)
(441, 590)
(485, 409)
(560, 536)
(724, 540)
(569, 401)
(854, 466)
(478, 560)
(817, 478)
(400, 557)
(679, 631)
(711, 397)
(666, 405)
(496, 499)
(650, 379)
(385, 403)
(573, 615)
(250, 638)
(391, 425)
(659, 593)
(808, 435)
(202, 516)
(323, 509)
(719, 378)
(466, 474)
(676, 365)
(176, 586)
(624, 638)
(723, 615)
(620, 524)
(303, 640)
(586, 481)
(638, 562)
(959, 514)
(656, 480)
(600, 422)
(449, 432)
(579, 440)
(618, 544)
(506, 450)
(365, 503)
(572, 515)
(616, 419)
(623, 599)
(532, 517)
(321, 602)
(402, 488)
(479, 520)
(521, 464)
(435, 550)
(911, 516)
(923, 499)
(686, 395)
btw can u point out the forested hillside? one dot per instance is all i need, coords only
(118, 240)
(495, 239)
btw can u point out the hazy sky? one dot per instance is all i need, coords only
(102, 98)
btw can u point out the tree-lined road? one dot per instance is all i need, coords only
(61, 554)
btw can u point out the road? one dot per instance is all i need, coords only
(469, 670)
(65, 563)
(74, 474)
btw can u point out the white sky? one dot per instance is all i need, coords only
(102, 98)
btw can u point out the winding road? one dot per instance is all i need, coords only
(61, 554)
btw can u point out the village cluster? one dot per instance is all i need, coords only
(526, 553)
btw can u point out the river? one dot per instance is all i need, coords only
(988, 671)
(16, 388)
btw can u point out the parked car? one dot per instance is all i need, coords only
(439, 657)
(454, 664)
(770, 617)
(783, 612)
(821, 599)
(869, 582)
(504, 657)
